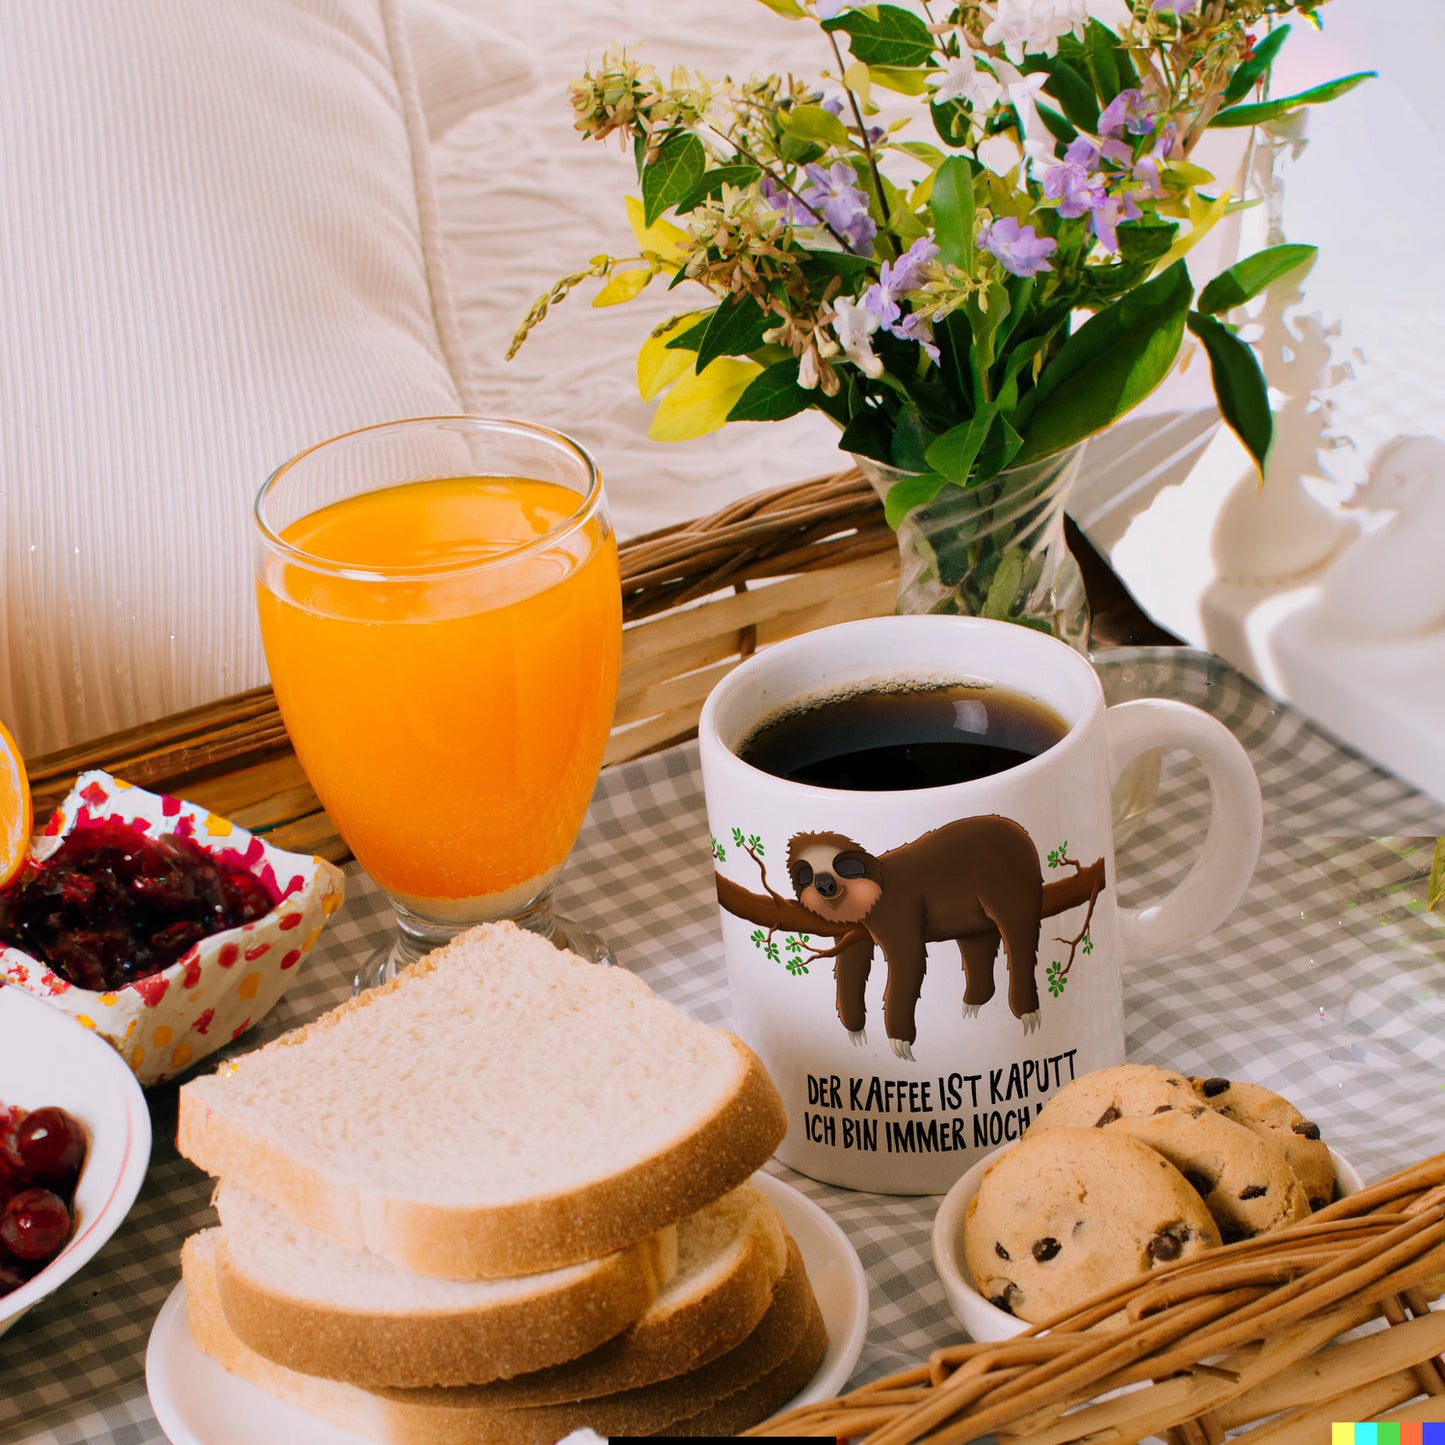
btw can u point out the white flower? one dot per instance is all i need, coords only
(1033, 26)
(966, 79)
(999, 153)
(854, 325)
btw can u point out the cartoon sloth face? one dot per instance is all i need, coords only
(833, 877)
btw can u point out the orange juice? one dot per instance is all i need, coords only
(450, 698)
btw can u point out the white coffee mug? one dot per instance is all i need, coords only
(920, 970)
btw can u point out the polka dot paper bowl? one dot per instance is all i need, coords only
(162, 1024)
(982, 1320)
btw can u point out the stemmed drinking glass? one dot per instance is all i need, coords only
(441, 613)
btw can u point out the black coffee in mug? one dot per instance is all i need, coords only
(902, 735)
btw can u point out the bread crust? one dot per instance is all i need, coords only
(743, 1386)
(494, 1240)
(445, 1347)
(707, 1325)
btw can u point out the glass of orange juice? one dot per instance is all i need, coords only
(442, 617)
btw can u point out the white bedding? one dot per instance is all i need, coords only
(525, 200)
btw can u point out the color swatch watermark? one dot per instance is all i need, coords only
(1383, 1433)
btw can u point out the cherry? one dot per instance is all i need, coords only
(51, 1145)
(112, 904)
(12, 1275)
(34, 1225)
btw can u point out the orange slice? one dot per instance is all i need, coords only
(15, 814)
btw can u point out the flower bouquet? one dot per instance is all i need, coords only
(966, 245)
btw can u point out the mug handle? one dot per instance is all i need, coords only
(1221, 873)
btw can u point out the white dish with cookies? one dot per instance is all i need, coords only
(1122, 1111)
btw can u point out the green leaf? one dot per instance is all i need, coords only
(911, 440)
(1073, 92)
(1099, 54)
(1239, 385)
(1056, 125)
(1001, 448)
(788, 9)
(916, 489)
(773, 395)
(672, 174)
(922, 150)
(813, 123)
(1005, 585)
(1145, 241)
(1247, 278)
(691, 339)
(899, 78)
(1109, 365)
(951, 202)
(952, 122)
(1238, 115)
(868, 434)
(710, 183)
(1435, 895)
(1252, 71)
(734, 329)
(953, 454)
(885, 35)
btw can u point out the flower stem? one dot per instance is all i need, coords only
(863, 137)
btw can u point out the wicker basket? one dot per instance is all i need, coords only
(1282, 1335)
(697, 598)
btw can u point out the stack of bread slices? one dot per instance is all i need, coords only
(504, 1197)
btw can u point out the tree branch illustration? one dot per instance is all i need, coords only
(774, 911)
(1091, 875)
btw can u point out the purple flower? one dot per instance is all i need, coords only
(1146, 169)
(917, 328)
(779, 198)
(878, 301)
(910, 270)
(1176, 7)
(1108, 216)
(834, 194)
(1020, 249)
(1131, 111)
(1076, 189)
(1082, 152)
(897, 279)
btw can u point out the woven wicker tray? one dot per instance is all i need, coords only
(697, 598)
(1270, 1335)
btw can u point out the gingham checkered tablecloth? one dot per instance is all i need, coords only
(1327, 984)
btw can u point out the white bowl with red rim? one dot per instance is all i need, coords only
(46, 1058)
(982, 1320)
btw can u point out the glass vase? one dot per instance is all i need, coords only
(995, 548)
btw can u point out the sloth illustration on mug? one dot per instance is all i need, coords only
(976, 883)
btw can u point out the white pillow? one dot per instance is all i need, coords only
(460, 64)
(218, 245)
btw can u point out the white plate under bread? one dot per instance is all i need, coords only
(198, 1403)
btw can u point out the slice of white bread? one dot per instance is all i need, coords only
(500, 1108)
(305, 1302)
(730, 1256)
(730, 1392)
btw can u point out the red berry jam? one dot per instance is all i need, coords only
(112, 905)
(41, 1154)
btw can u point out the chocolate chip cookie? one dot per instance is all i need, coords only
(1068, 1212)
(1277, 1121)
(1103, 1095)
(1245, 1183)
